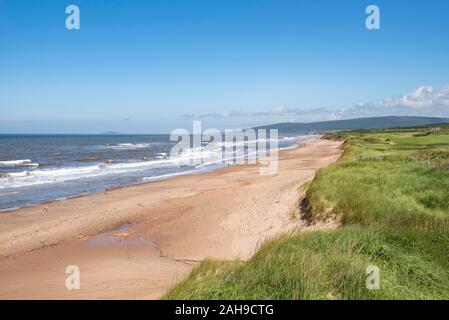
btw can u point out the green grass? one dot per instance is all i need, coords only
(390, 191)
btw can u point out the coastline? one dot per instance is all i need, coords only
(204, 168)
(136, 241)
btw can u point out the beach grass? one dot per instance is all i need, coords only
(390, 193)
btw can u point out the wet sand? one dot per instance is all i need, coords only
(135, 242)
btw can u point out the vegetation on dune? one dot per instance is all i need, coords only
(390, 191)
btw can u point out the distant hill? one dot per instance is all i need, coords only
(353, 124)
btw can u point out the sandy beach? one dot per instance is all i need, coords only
(135, 242)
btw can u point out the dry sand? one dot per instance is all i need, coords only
(135, 242)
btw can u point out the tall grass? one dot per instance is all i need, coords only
(390, 190)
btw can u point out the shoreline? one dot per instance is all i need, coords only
(134, 242)
(144, 181)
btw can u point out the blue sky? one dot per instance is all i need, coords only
(152, 66)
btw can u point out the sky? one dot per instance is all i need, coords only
(150, 66)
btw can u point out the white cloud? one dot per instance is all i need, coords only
(424, 101)
(423, 97)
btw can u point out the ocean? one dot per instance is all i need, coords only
(39, 168)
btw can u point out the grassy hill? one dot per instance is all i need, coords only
(353, 124)
(390, 193)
